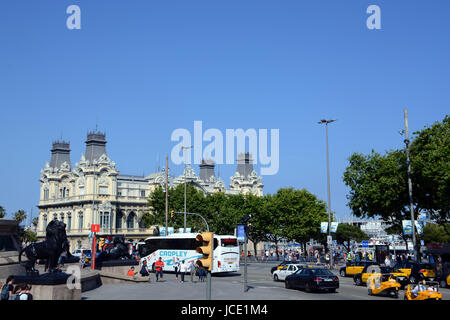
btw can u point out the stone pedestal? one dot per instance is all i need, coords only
(50, 286)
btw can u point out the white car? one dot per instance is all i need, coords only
(87, 253)
(281, 274)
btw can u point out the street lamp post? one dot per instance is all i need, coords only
(411, 204)
(185, 148)
(326, 122)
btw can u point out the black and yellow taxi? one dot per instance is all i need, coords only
(376, 271)
(425, 290)
(282, 265)
(355, 267)
(417, 271)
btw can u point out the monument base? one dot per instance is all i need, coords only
(50, 286)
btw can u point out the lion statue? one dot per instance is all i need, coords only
(55, 243)
(118, 252)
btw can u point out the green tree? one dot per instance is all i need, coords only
(20, 216)
(430, 162)
(27, 236)
(2, 212)
(347, 232)
(378, 188)
(434, 233)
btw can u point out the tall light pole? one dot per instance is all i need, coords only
(185, 148)
(326, 122)
(411, 204)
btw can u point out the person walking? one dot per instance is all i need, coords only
(82, 260)
(192, 269)
(8, 288)
(176, 266)
(159, 266)
(183, 268)
(387, 261)
(25, 293)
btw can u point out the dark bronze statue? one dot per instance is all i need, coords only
(118, 252)
(55, 243)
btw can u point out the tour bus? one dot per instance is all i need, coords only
(183, 245)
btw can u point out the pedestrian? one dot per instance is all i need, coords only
(183, 269)
(8, 288)
(131, 272)
(201, 273)
(15, 295)
(25, 293)
(176, 266)
(144, 270)
(387, 261)
(159, 266)
(192, 269)
(82, 260)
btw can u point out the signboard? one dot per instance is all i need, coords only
(422, 243)
(334, 226)
(95, 228)
(188, 230)
(323, 227)
(162, 231)
(329, 239)
(419, 227)
(170, 230)
(365, 244)
(407, 227)
(422, 216)
(240, 232)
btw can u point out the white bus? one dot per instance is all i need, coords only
(183, 245)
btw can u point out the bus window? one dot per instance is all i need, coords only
(229, 243)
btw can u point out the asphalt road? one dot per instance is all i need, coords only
(231, 287)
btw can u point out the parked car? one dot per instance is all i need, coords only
(281, 265)
(355, 267)
(282, 273)
(375, 270)
(417, 271)
(78, 252)
(312, 279)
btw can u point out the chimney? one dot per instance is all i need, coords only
(207, 170)
(244, 164)
(60, 154)
(95, 146)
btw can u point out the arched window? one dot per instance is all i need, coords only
(130, 220)
(69, 221)
(104, 220)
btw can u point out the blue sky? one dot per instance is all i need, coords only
(141, 69)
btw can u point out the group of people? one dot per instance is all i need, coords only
(19, 291)
(181, 268)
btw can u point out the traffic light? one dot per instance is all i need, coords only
(101, 243)
(207, 248)
(172, 214)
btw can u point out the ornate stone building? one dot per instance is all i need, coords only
(94, 191)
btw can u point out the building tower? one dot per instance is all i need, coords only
(60, 154)
(95, 146)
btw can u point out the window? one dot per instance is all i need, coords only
(143, 193)
(46, 193)
(119, 218)
(104, 220)
(80, 221)
(103, 190)
(130, 220)
(69, 221)
(82, 191)
(44, 222)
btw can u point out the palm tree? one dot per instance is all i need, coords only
(20, 216)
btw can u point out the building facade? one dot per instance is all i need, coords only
(95, 192)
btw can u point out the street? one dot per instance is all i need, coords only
(231, 287)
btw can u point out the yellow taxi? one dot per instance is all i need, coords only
(417, 271)
(355, 267)
(370, 271)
